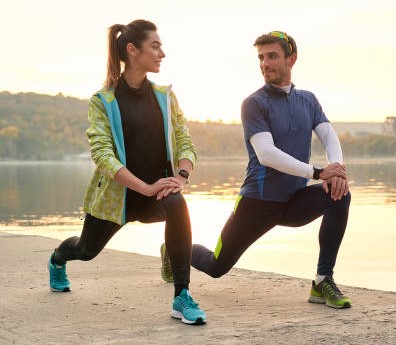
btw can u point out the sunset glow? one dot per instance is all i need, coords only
(347, 51)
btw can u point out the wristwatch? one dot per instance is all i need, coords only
(316, 173)
(184, 173)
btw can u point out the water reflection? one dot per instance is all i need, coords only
(36, 190)
(219, 178)
(54, 190)
(373, 182)
(49, 197)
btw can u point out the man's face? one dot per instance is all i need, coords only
(275, 67)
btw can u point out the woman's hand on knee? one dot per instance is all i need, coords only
(166, 191)
(162, 185)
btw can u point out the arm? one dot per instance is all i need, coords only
(184, 148)
(184, 154)
(331, 144)
(269, 155)
(129, 180)
(101, 140)
(329, 139)
(184, 164)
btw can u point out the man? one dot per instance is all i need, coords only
(278, 121)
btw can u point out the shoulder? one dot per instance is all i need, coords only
(305, 94)
(164, 89)
(258, 98)
(106, 94)
(310, 103)
(103, 95)
(259, 94)
(98, 100)
(165, 92)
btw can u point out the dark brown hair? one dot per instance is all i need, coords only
(120, 35)
(288, 45)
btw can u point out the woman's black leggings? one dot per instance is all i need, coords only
(253, 218)
(97, 232)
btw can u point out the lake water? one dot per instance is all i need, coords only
(45, 199)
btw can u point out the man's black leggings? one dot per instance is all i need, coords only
(252, 218)
(97, 232)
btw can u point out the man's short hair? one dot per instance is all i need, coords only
(286, 42)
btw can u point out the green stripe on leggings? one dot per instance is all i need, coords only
(220, 242)
(218, 248)
(238, 199)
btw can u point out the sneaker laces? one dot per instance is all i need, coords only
(60, 272)
(188, 302)
(167, 264)
(331, 288)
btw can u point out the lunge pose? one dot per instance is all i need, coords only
(278, 121)
(143, 154)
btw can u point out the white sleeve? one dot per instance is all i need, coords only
(269, 155)
(329, 139)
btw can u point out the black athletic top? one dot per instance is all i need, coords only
(144, 135)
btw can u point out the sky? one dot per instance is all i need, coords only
(346, 50)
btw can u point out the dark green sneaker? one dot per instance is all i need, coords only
(166, 268)
(327, 292)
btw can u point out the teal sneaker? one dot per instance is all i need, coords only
(327, 292)
(166, 268)
(185, 309)
(58, 277)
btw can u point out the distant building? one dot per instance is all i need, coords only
(389, 127)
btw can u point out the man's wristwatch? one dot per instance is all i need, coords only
(316, 173)
(184, 173)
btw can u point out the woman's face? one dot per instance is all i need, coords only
(147, 58)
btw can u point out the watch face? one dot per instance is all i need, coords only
(184, 173)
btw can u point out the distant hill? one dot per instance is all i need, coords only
(358, 128)
(42, 127)
(35, 126)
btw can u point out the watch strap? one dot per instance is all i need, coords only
(316, 173)
(184, 173)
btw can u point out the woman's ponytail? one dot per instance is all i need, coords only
(113, 59)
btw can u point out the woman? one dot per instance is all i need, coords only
(143, 155)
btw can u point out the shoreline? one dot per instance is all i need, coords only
(119, 298)
(145, 239)
(207, 159)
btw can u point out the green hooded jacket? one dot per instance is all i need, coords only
(105, 198)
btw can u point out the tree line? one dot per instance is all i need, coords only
(43, 127)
